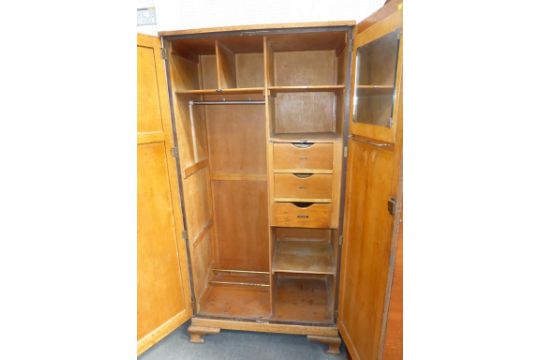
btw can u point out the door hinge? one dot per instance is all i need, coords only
(345, 151)
(392, 203)
(163, 53)
(174, 152)
(340, 240)
(184, 234)
(390, 122)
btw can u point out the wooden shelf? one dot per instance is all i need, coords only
(374, 89)
(312, 171)
(309, 137)
(303, 200)
(302, 300)
(249, 302)
(224, 277)
(303, 256)
(233, 91)
(311, 88)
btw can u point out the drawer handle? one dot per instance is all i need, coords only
(302, 175)
(302, 204)
(302, 144)
(302, 216)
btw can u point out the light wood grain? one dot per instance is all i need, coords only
(236, 302)
(302, 299)
(304, 256)
(315, 186)
(313, 24)
(366, 250)
(226, 66)
(316, 156)
(329, 330)
(290, 215)
(163, 290)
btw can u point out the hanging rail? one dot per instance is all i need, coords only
(227, 102)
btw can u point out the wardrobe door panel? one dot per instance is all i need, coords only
(163, 291)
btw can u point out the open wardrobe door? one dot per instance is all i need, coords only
(373, 186)
(163, 289)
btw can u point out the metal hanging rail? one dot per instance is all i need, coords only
(227, 102)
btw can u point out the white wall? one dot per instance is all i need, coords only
(193, 14)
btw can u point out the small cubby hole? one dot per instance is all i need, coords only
(306, 78)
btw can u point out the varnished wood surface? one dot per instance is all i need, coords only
(313, 24)
(304, 256)
(290, 215)
(236, 301)
(366, 250)
(315, 186)
(302, 299)
(393, 344)
(329, 330)
(301, 112)
(241, 224)
(316, 156)
(163, 292)
(226, 66)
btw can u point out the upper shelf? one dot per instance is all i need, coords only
(309, 88)
(231, 91)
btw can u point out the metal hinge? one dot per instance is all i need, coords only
(184, 234)
(345, 151)
(340, 240)
(174, 152)
(390, 122)
(163, 53)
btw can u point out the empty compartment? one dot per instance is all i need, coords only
(236, 301)
(193, 65)
(308, 59)
(307, 251)
(240, 63)
(306, 80)
(303, 298)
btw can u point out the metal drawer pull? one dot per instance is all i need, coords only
(302, 204)
(302, 175)
(302, 144)
(302, 216)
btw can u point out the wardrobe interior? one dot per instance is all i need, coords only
(246, 261)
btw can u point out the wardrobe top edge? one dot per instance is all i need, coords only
(261, 28)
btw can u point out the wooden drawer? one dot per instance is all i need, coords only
(291, 215)
(318, 156)
(303, 186)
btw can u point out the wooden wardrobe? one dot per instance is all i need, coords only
(269, 192)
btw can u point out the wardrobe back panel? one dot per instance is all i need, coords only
(241, 220)
(236, 136)
(249, 70)
(305, 112)
(305, 68)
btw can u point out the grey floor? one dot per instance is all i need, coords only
(238, 345)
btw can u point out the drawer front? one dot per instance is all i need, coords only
(300, 186)
(290, 215)
(315, 156)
